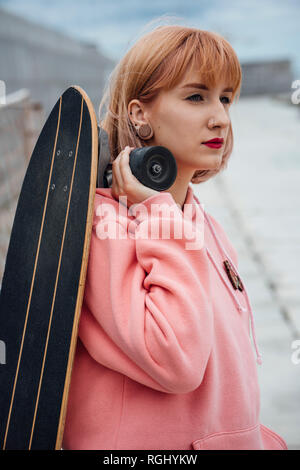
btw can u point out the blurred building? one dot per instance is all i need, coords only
(46, 62)
(267, 77)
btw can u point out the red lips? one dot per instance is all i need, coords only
(216, 140)
(215, 143)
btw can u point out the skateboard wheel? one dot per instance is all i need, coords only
(154, 167)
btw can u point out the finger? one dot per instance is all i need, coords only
(124, 167)
(117, 178)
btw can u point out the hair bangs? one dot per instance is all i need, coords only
(207, 53)
(216, 62)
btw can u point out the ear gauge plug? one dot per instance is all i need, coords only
(145, 132)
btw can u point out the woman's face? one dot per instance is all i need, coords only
(181, 120)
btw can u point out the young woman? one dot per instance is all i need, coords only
(164, 358)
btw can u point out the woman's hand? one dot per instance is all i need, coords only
(124, 183)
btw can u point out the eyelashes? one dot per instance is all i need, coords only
(190, 98)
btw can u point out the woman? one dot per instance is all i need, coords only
(164, 358)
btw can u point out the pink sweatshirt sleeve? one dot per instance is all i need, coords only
(147, 311)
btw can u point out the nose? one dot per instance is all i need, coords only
(219, 115)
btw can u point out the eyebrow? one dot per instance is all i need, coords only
(202, 86)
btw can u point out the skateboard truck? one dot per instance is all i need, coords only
(104, 175)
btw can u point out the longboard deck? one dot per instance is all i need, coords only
(43, 282)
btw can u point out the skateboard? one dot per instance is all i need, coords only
(44, 277)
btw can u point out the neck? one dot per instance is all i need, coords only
(178, 190)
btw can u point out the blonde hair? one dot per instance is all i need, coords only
(157, 61)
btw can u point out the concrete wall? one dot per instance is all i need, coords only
(19, 129)
(47, 62)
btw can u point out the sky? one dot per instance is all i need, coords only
(257, 29)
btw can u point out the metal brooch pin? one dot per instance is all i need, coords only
(233, 276)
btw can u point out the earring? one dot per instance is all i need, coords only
(145, 132)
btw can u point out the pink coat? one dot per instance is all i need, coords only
(164, 358)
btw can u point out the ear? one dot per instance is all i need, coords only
(137, 113)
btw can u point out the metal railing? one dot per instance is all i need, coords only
(20, 124)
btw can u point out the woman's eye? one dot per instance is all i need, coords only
(228, 99)
(194, 98)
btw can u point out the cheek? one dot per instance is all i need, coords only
(165, 111)
(176, 122)
(169, 119)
